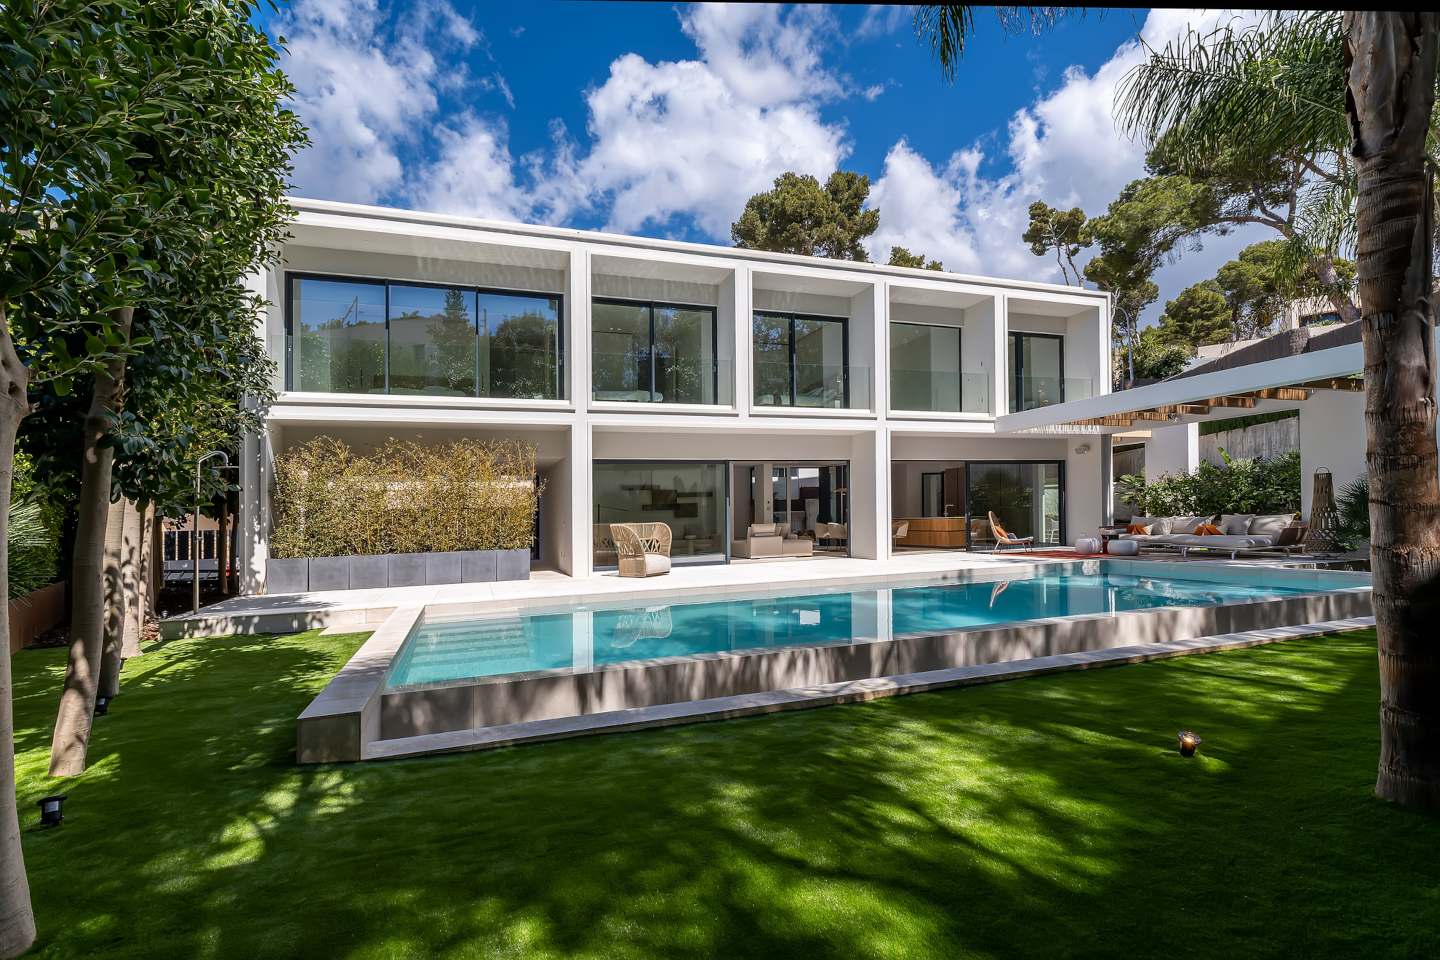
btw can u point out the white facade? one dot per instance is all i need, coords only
(865, 427)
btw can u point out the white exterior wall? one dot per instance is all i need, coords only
(1172, 450)
(574, 431)
(1332, 435)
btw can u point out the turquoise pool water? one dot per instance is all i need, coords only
(582, 638)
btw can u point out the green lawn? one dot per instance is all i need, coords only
(1045, 817)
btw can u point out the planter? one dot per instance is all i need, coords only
(287, 576)
(303, 574)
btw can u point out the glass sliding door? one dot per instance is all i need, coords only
(1037, 370)
(1027, 498)
(801, 361)
(654, 353)
(925, 367)
(691, 498)
(519, 356)
(813, 501)
(337, 335)
(432, 341)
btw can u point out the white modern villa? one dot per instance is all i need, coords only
(870, 411)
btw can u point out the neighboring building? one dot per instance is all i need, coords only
(708, 387)
(1299, 314)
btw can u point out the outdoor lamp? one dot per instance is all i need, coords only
(102, 706)
(1188, 742)
(51, 812)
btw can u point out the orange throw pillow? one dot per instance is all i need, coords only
(1001, 533)
(1207, 530)
(1138, 528)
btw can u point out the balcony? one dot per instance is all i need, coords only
(1031, 393)
(928, 390)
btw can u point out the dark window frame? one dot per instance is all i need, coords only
(790, 318)
(650, 306)
(1060, 475)
(729, 497)
(288, 312)
(1017, 374)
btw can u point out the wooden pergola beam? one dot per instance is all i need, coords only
(1246, 403)
(1111, 420)
(1281, 393)
(1351, 384)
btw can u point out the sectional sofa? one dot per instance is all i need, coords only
(1239, 533)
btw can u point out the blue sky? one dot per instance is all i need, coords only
(661, 119)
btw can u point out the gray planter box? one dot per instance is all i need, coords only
(512, 564)
(329, 573)
(287, 576)
(477, 566)
(407, 569)
(369, 572)
(442, 567)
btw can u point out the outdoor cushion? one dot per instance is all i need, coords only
(1270, 524)
(1158, 525)
(1235, 524)
(1227, 543)
(1207, 530)
(1186, 524)
(1139, 528)
(764, 530)
(1123, 548)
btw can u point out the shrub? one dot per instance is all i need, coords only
(1353, 506)
(1237, 486)
(405, 498)
(34, 546)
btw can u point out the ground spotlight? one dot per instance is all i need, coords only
(1188, 742)
(52, 810)
(102, 706)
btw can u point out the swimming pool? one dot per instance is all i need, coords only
(446, 649)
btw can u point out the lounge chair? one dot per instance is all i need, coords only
(1003, 538)
(644, 548)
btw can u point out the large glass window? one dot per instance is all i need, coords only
(689, 497)
(1037, 370)
(337, 342)
(924, 367)
(1027, 498)
(801, 361)
(519, 346)
(654, 353)
(372, 336)
(432, 341)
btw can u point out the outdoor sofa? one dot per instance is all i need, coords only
(770, 540)
(1240, 533)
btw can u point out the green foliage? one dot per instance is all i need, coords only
(1197, 316)
(1154, 359)
(34, 544)
(800, 216)
(901, 257)
(1353, 506)
(1209, 428)
(405, 498)
(1238, 486)
(1062, 231)
(1260, 283)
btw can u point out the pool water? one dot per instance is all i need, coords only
(583, 638)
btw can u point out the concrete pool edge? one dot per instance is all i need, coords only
(832, 694)
(355, 714)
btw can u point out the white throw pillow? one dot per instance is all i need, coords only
(1235, 524)
(1159, 526)
(1269, 524)
(1186, 524)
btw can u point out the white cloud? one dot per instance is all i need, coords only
(882, 19)
(1063, 149)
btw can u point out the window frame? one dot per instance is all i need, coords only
(1017, 374)
(790, 317)
(959, 365)
(650, 307)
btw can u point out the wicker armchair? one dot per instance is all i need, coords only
(644, 548)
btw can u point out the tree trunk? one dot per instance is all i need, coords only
(87, 587)
(222, 546)
(1390, 62)
(17, 920)
(1335, 290)
(135, 547)
(116, 608)
(155, 561)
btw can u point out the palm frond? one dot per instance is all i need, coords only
(1272, 88)
(32, 551)
(944, 28)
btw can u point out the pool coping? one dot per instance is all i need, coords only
(344, 722)
(830, 694)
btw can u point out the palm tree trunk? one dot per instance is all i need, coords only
(87, 582)
(17, 919)
(1390, 62)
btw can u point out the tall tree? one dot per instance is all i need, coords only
(901, 257)
(1198, 315)
(1390, 73)
(1062, 231)
(800, 216)
(210, 209)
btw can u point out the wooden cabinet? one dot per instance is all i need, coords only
(946, 532)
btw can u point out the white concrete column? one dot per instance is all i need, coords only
(581, 475)
(1172, 450)
(248, 519)
(869, 492)
(998, 359)
(1332, 435)
(577, 329)
(735, 297)
(1107, 479)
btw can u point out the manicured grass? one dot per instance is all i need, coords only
(1046, 817)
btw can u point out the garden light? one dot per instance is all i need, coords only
(51, 810)
(1188, 742)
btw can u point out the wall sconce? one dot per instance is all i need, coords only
(1082, 449)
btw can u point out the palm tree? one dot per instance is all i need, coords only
(1380, 141)
(1390, 70)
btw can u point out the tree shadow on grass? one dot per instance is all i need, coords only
(1045, 817)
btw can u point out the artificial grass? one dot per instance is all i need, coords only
(1044, 817)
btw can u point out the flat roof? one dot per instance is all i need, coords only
(1081, 296)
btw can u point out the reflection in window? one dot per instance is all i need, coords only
(338, 340)
(1025, 497)
(1037, 367)
(519, 346)
(800, 361)
(653, 353)
(924, 367)
(432, 341)
(688, 497)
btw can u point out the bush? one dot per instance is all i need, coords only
(34, 546)
(1239, 486)
(406, 498)
(1353, 506)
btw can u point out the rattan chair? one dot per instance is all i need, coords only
(643, 548)
(1004, 539)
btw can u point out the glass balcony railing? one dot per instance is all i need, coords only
(813, 385)
(939, 391)
(1031, 393)
(626, 378)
